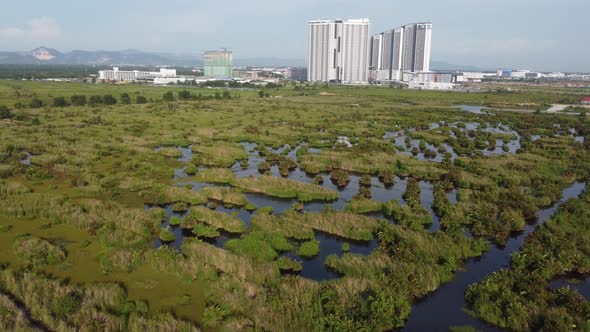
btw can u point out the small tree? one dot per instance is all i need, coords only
(60, 102)
(109, 100)
(125, 99)
(78, 100)
(5, 112)
(226, 95)
(184, 95)
(261, 94)
(140, 100)
(168, 96)
(95, 100)
(36, 103)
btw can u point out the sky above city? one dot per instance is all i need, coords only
(521, 34)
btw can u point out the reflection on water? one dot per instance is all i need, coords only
(579, 283)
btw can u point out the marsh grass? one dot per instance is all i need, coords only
(94, 167)
(216, 219)
(220, 154)
(226, 195)
(309, 249)
(285, 188)
(363, 205)
(343, 224)
(39, 251)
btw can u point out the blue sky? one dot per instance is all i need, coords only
(527, 34)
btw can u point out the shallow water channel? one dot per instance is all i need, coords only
(436, 312)
(313, 268)
(444, 308)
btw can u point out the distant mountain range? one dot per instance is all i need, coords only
(46, 55)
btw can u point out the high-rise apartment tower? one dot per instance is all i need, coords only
(218, 64)
(338, 51)
(403, 49)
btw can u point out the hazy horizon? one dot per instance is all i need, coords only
(536, 35)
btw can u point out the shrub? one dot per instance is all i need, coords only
(168, 96)
(340, 177)
(264, 167)
(180, 207)
(286, 264)
(345, 247)
(60, 102)
(140, 100)
(309, 249)
(36, 103)
(365, 180)
(65, 305)
(184, 95)
(125, 99)
(252, 246)
(78, 100)
(38, 251)
(318, 179)
(166, 235)
(95, 100)
(175, 221)
(5, 228)
(191, 170)
(412, 194)
(202, 230)
(109, 100)
(266, 210)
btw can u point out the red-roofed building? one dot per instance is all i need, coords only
(586, 100)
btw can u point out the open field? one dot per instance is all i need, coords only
(269, 223)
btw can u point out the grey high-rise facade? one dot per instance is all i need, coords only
(403, 49)
(338, 51)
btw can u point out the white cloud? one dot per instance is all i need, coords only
(40, 30)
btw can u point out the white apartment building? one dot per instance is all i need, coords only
(133, 75)
(403, 49)
(338, 51)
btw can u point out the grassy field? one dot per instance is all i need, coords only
(76, 181)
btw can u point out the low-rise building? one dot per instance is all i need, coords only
(586, 100)
(134, 75)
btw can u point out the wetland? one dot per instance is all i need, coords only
(414, 210)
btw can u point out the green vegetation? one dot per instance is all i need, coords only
(225, 195)
(285, 188)
(309, 249)
(175, 221)
(171, 152)
(78, 212)
(205, 231)
(219, 154)
(363, 205)
(340, 177)
(38, 251)
(166, 235)
(289, 265)
(216, 219)
(520, 298)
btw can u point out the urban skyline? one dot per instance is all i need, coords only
(343, 51)
(502, 34)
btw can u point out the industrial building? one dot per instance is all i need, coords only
(218, 64)
(338, 51)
